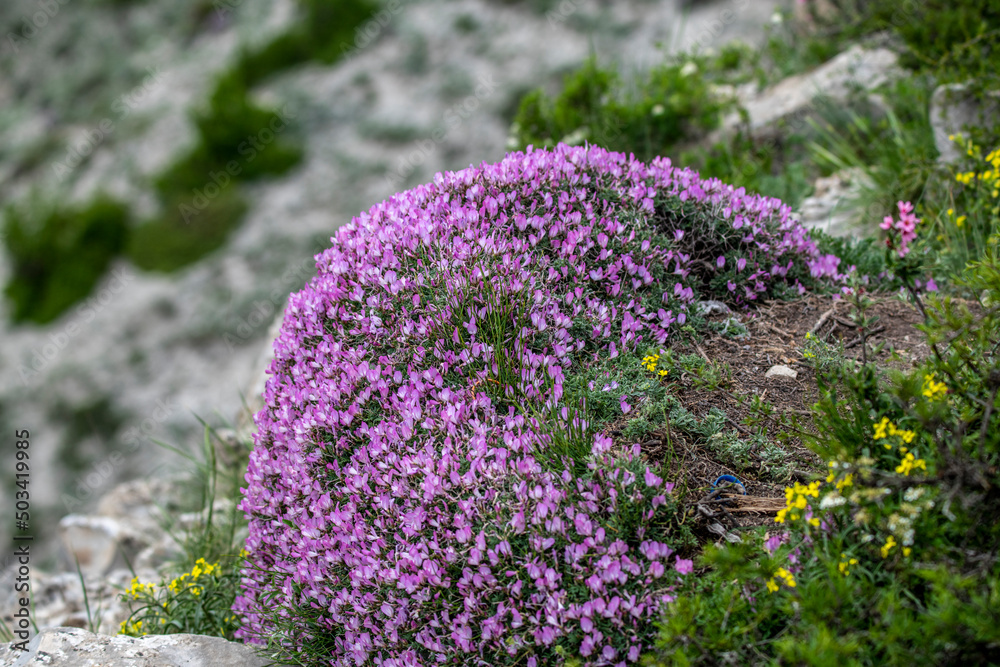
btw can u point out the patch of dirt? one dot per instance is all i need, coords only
(776, 336)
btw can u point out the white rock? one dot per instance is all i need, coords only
(73, 647)
(712, 307)
(97, 543)
(833, 207)
(781, 371)
(954, 106)
(791, 100)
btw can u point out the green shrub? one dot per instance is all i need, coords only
(964, 210)
(59, 255)
(196, 602)
(197, 590)
(674, 102)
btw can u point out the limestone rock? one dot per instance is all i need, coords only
(953, 107)
(712, 307)
(833, 206)
(96, 542)
(791, 100)
(781, 371)
(73, 647)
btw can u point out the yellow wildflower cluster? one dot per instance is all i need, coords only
(796, 501)
(989, 178)
(649, 363)
(133, 629)
(910, 463)
(808, 353)
(933, 389)
(781, 575)
(845, 565)
(886, 428)
(887, 547)
(200, 567)
(137, 589)
(842, 483)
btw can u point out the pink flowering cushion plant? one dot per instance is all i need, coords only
(422, 490)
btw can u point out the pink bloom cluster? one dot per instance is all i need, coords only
(905, 227)
(401, 513)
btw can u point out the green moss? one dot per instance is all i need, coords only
(58, 256)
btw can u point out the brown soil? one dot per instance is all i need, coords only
(776, 336)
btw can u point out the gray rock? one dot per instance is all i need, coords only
(712, 307)
(833, 207)
(97, 543)
(73, 647)
(781, 371)
(791, 100)
(953, 108)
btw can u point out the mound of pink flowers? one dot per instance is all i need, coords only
(404, 504)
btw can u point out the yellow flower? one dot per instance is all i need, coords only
(787, 576)
(909, 463)
(889, 544)
(844, 483)
(880, 428)
(845, 565)
(933, 389)
(771, 586)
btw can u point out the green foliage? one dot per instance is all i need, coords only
(670, 104)
(894, 553)
(955, 39)
(172, 242)
(197, 591)
(195, 602)
(963, 214)
(59, 255)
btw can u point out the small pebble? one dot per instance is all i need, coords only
(781, 371)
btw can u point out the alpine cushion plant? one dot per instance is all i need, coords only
(423, 488)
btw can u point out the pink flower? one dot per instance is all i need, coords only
(684, 566)
(626, 408)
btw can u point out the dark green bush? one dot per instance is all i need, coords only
(59, 256)
(239, 140)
